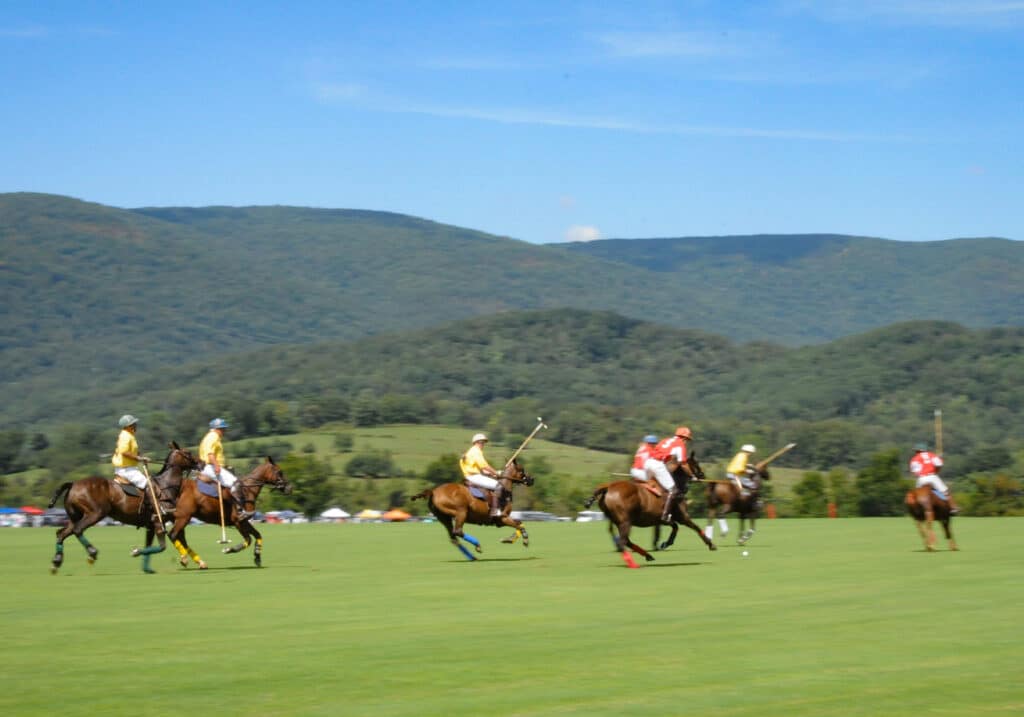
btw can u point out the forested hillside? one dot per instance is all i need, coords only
(94, 293)
(832, 284)
(601, 380)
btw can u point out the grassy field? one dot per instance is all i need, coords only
(841, 617)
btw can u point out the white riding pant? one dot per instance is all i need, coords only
(638, 474)
(133, 475)
(934, 481)
(482, 481)
(226, 479)
(656, 469)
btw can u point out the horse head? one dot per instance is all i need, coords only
(515, 473)
(695, 466)
(270, 473)
(182, 458)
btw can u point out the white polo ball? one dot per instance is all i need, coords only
(746, 553)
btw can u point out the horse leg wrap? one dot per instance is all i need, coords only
(471, 540)
(465, 551)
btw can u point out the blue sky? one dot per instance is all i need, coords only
(541, 121)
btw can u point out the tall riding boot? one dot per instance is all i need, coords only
(669, 500)
(954, 509)
(494, 501)
(239, 499)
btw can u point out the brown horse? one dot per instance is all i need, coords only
(89, 500)
(726, 497)
(193, 504)
(629, 504)
(454, 505)
(926, 506)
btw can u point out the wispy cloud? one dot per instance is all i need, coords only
(582, 233)
(349, 93)
(27, 31)
(964, 13)
(673, 44)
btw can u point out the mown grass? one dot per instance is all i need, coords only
(840, 617)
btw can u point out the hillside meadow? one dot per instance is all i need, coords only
(824, 617)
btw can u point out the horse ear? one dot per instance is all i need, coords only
(270, 460)
(175, 446)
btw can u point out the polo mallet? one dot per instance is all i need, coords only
(220, 502)
(152, 493)
(540, 425)
(938, 431)
(760, 465)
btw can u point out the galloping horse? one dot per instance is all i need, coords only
(925, 506)
(629, 504)
(454, 505)
(725, 497)
(194, 503)
(89, 500)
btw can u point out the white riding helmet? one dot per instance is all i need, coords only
(479, 437)
(127, 420)
(748, 448)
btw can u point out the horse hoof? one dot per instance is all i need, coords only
(90, 560)
(53, 570)
(136, 552)
(712, 546)
(149, 571)
(183, 561)
(203, 566)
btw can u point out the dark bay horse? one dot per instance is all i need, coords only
(193, 504)
(926, 506)
(453, 505)
(724, 497)
(629, 504)
(89, 500)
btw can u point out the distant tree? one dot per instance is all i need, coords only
(842, 492)
(810, 496)
(443, 469)
(996, 495)
(11, 443)
(880, 486)
(39, 442)
(371, 464)
(311, 485)
(343, 442)
(365, 411)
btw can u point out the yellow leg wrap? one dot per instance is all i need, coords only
(179, 547)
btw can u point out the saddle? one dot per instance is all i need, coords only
(651, 486)
(127, 487)
(209, 489)
(476, 491)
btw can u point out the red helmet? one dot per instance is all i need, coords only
(684, 432)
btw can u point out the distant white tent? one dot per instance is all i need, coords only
(334, 513)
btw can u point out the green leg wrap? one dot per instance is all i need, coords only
(84, 541)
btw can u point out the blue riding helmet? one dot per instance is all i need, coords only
(218, 423)
(650, 438)
(921, 447)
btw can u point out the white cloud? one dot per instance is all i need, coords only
(29, 31)
(582, 233)
(976, 13)
(672, 44)
(337, 91)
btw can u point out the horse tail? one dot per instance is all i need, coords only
(598, 494)
(64, 488)
(424, 494)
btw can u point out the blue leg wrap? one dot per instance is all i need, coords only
(471, 540)
(465, 551)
